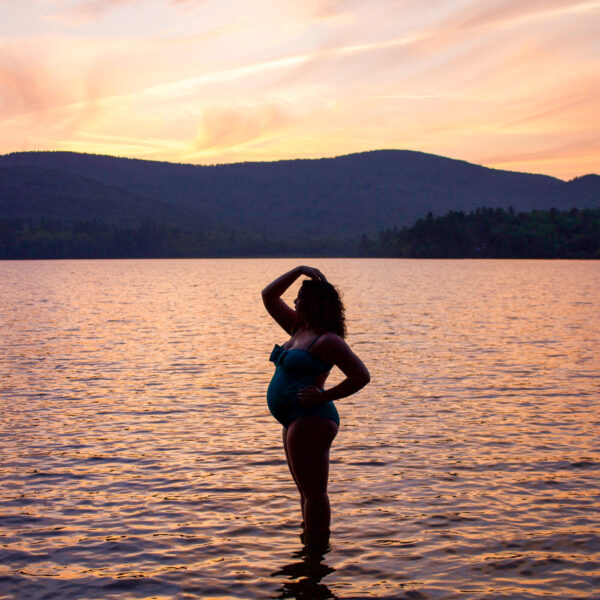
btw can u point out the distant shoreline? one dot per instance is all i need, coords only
(486, 233)
(300, 258)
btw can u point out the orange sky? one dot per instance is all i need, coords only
(512, 84)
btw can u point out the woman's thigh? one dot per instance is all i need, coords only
(287, 456)
(308, 442)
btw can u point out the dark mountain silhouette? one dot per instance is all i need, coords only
(327, 202)
(34, 192)
(582, 192)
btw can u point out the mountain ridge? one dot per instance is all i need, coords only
(323, 199)
(27, 153)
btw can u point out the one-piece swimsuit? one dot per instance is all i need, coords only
(296, 369)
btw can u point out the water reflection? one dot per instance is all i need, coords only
(304, 575)
(132, 403)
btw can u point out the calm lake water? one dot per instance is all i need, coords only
(139, 459)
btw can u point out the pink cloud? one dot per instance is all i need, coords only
(85, 11)
(492, 14)
(25, 85)
(227, 126)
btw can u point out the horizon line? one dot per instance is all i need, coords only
(280, 160)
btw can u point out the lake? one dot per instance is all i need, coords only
(139, 459)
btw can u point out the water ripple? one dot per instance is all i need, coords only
(139, 459)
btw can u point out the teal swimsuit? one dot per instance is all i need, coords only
(296, 369)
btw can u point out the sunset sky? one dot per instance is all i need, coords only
(511, 84)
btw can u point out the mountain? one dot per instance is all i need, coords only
(331, 199)
(37, 192)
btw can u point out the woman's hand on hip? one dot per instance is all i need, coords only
(310, 396)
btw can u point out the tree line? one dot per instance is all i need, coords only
(46, 238)
(493, 233)
(482, 233)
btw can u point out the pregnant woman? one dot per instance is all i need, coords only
(296, 397)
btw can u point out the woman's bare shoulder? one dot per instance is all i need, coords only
(335, 350)
(331, 338)
(332, 342)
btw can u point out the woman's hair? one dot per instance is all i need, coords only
(321, 308)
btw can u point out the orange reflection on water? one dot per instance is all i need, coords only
(139, 455)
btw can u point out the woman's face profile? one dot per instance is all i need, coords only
(298, 304)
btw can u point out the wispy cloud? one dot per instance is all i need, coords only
(564, 160)
(27, 83)
(207, 81)
(571, 107)
(84, 11)
(510, 12)
(229, 127)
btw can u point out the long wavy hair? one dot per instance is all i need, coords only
(320, 307)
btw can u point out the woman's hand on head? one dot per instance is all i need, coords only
(310, 396)
(312, 273)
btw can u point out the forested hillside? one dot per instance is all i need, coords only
(493, 233)
(483, 233)
(62, 202)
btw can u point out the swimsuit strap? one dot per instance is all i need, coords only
(311, 344)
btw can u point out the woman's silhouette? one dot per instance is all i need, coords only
(296, 397)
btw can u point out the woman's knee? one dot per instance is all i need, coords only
(316, 497)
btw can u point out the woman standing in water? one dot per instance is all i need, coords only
(296, 397)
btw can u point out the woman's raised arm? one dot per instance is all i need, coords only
(284, 315)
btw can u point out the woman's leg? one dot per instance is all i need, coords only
(308, 442)
(287, 457)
